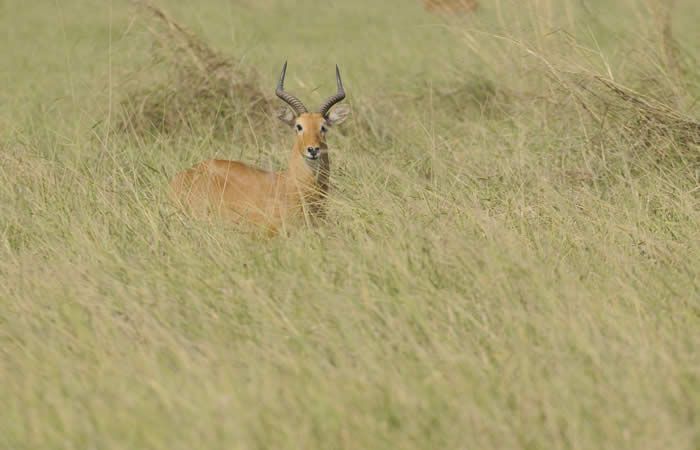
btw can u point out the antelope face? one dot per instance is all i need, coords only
(311, 133)
(311, 128)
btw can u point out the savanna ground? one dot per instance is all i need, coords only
(511, 257)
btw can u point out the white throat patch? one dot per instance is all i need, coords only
(314, 164)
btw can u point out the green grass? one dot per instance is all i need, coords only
(499, 269)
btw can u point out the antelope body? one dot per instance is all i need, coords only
(244, 193)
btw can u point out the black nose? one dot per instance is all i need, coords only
(313, 151)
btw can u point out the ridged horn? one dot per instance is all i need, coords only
(333, 99)
(291, 100)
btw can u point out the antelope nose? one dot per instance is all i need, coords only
(313, 151)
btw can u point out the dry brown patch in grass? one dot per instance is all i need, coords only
(653, 130)
(647, 120)
(451, 7)
(650, 116)
(201, 85)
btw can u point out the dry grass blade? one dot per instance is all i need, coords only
(201, 56)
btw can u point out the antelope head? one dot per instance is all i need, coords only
(311, 127)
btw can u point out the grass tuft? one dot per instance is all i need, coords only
(199, 86)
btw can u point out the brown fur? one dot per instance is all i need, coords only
(271, 200)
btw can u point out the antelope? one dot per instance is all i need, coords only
(270, 200)
(451, 7)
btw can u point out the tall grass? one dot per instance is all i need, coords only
(511, 257)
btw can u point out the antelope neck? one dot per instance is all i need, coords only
(304, 172)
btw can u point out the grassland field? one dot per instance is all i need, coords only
(510, 260)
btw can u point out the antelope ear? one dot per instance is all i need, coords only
(338, 114)
(286, 115)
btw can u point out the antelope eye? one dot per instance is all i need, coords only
(323, 129)
(299, 127)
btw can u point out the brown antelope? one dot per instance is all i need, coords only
(451, 7)
(244, 193)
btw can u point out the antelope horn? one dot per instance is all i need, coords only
(291, 100)
(333, 99)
